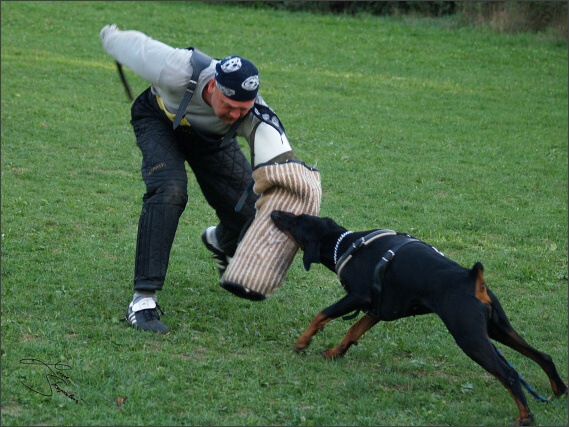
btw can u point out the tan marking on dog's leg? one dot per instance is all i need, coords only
(525, 417)
(352, 336)
(316, 325)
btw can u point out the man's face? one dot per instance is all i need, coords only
(227, 109)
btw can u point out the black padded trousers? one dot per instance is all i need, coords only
(222, 172)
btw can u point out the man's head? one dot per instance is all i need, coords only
(237, 78)
(232, 93)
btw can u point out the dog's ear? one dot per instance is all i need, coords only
(311, 254)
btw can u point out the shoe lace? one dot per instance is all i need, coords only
(220, 259)
(152, 313)
(160, 308)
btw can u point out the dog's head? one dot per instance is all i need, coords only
(307, 231)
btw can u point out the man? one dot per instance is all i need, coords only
(225, 104)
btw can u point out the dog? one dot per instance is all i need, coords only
(391, 275)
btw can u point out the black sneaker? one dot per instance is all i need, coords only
(210, 242)
(146, 316)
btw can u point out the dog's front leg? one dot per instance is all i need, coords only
(352, 337)
(349, 303)
(317, 324)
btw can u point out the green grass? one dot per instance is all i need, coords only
(458, 136)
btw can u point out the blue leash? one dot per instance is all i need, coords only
(529, 388)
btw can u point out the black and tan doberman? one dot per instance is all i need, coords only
(391, 275)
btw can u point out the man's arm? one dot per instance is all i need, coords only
(268, 145)
(266, 136)
(152, 60)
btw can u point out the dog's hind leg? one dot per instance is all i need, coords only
(500, 329)
(354, 333)
(468, 327)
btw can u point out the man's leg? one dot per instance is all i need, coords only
(164, 174)
(164, 202)
(224, 174)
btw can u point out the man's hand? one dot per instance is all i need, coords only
(108, 29)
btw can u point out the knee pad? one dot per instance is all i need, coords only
(169, 193)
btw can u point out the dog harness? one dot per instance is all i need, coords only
(362, 241)
(379, 275)
(380, 268)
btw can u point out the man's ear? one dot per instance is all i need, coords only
(211, 85)
(311, 254)
(208, 91)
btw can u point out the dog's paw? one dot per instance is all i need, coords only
(301, 345)
(525, 421)
(302, 342)
(560, 390)
(333, 353)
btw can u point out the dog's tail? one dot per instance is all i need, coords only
(481, 290)
(484, 294)
(477, 267)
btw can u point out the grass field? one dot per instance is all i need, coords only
(455, 135)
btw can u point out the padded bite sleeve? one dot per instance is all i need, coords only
(265, 253)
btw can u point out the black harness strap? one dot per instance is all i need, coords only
(362, 241)
(379, 275)
(347, 256)
(380, 268)
(199, 61)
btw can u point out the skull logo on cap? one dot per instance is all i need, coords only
(230, 65)
(251, 83)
